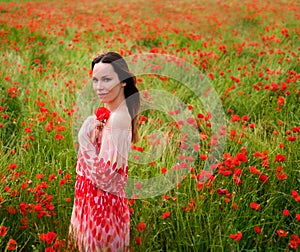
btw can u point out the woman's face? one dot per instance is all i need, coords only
(107, 85)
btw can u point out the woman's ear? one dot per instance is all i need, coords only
(123, 84)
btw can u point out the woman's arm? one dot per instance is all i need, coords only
(108, 170)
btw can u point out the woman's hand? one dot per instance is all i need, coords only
(90, 131)
(98, 127)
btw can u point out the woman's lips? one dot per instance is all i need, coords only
(102, 94)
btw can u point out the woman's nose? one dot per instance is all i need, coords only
(97, 84)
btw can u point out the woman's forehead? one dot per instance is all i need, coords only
(101, 69)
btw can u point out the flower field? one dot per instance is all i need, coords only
(247, 199)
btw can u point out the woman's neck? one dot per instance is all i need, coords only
(116, 104)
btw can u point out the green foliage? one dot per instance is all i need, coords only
(45, 66)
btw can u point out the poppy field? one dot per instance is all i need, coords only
(247, 199)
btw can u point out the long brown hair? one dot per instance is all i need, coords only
(131, 92)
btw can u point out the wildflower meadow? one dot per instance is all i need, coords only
(237, 182)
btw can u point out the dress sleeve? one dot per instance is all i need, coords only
(106, 166)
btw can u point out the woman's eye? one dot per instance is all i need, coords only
(95, 81)
(106, 79)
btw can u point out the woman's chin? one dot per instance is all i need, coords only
(102, 99)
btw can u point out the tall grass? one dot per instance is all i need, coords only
(250, 53)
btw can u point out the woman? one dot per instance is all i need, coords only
(100, 217)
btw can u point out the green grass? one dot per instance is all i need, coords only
(44, 68)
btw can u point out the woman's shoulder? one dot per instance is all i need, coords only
(120, 118)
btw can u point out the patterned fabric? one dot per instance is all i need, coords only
(100, 217)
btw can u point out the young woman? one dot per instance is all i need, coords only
(100, 217)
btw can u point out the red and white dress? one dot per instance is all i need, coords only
(100, 217)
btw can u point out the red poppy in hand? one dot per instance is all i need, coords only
(102, 114)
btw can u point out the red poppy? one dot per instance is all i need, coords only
(235, 118)
(280, 158)
(237, 237)
(285, 212)
(241, 157)
(11, 210)
(291, 138)
(255, 206)
(3, 230)
(257, 154)
(281, 176)
(166, 215)
(138, 240)
(257, 229)
(251, 125)
(141, 226)
(263, 178)
(11, 245)
(143, 119)
(295, 241)
(59, 136)
(164, 170)
(48, 237)
(39, 176)
(52, 177)
(281, 233)
(234, 206)
(293, 244)
(295, 195)
(102, 114)
(50, 249)
(253, 170)
(245, 118)
(13, 166)
(60, 128)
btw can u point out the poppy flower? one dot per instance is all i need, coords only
(280, 158)
(59, 136)
(263, 178)
(203, 157)
(281, 233)
(49, 249)
(281, 176)
(291, 138)
(295, 195)
(285, 212)
(237, 237)
(255, 206)
(141, 226)
(166, 215)
(3, 230)
(234, 206)
(253, 170)
(138, 240)
(102, 114)
(48, 237)
(164, 170)
(13, 166)
(257, 229)
(293, 244)
(11, 245)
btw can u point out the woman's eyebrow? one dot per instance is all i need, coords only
(103, 76)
